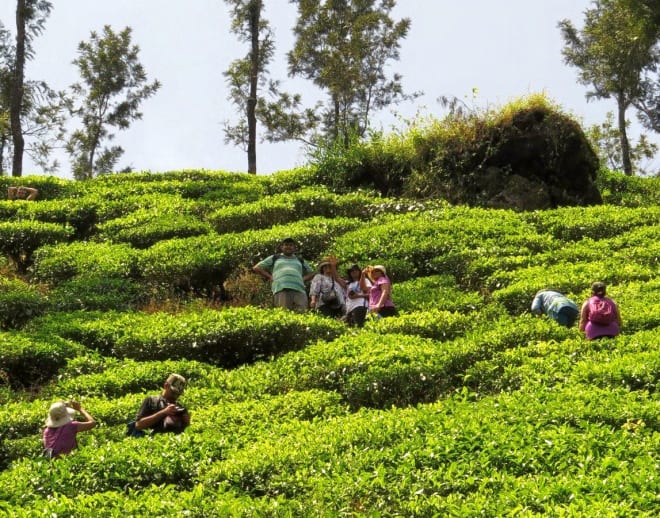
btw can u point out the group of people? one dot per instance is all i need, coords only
(159, 414)
(599, 315)
(361, 292)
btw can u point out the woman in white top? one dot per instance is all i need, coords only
(357, 301)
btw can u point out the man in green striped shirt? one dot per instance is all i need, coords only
(288, 274)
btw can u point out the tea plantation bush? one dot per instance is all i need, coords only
(464, 404)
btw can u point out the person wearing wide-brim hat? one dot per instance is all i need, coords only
(380, 290)
(326, 291)
(59, 436)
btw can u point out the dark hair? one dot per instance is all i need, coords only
(353, 267)
(598, 288)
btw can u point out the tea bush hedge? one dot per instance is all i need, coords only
(462, 405)
(19, 302)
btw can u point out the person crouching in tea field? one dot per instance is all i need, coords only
(557, 306)
(600, 316)
(59, 436)
(162, 413)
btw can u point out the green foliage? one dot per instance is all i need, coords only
(109, 69)
(19, 302)
(290, 207)
(230, 337)
(462, 405)
(26, 362)
(19, 240)
(143, 228)
(58, 263)
(621, 190)
(96, 292)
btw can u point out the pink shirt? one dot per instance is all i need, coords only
(62, 440)
(376, 292)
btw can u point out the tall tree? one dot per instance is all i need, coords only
(246, 75)
(605, 139)
(30, 20)
(343, 47)
(612, 52)
(114, 84)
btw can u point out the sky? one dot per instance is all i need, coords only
(485, 52)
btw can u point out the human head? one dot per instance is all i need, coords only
(175, 384)
(354, 272)
(288, 246)
(598, 288)
(59, 414)
(325, 265)
(379, 268)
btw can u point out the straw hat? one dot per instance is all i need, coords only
(381, 268)
(59, 415)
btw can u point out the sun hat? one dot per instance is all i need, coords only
(324, 263)
(381, 268)
(59, 415)
(177, 383)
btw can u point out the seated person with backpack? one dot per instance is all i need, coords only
(600, 315)
(162, 413)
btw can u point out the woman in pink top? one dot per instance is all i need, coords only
(380, 291)
(59, 436)
(598, 327)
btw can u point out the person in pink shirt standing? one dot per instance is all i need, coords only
(59, 437)
(380, 291)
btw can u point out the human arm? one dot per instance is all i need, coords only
(386, 292)
(584, 316)
(537, 305)
(150, 415)
(31, 192)
(364, 284)
(263, 272)
(618, 315)
(89, 422)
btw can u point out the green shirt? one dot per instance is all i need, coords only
(287, 272)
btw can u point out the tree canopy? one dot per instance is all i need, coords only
(114, 84)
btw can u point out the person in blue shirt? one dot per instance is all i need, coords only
(557, 306)
(288, 273)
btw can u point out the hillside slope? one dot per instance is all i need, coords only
(463, 405)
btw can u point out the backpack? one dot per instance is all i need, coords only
(601, 311)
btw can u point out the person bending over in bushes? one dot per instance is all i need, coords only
(59, 436)
(600, 316)
(558, 307)
(374, 280)
(288, 274)
(22, 193)
(162, 413)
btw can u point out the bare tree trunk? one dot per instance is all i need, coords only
(255, 14)
(623, 135)
(16, 102)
